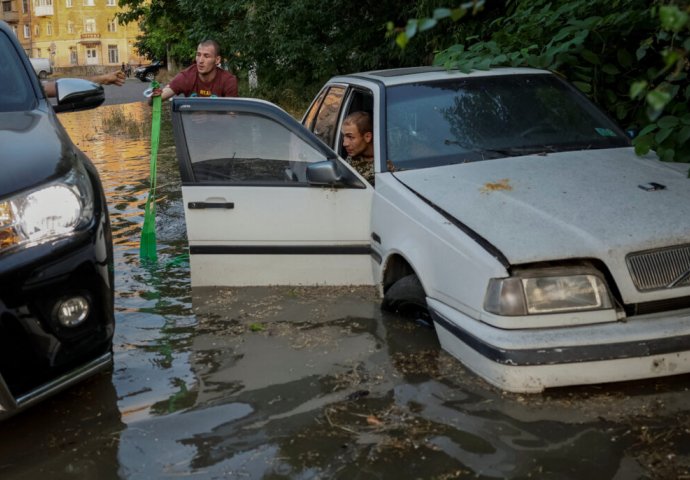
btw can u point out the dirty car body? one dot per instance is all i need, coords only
(506, 206)
(56, 279)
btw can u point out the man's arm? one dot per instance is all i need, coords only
(112, 78)
(165, 93)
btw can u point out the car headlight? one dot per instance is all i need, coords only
(54, 210)
(537, 292)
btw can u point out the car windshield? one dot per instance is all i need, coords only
(482, 118)
(16, 94)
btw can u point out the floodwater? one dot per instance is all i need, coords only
(301, 383)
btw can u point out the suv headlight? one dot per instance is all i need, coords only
(54, 210)
(537, 292)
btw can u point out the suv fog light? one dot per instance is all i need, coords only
(73, 311)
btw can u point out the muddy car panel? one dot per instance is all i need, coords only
(520, 215)
(56, 279)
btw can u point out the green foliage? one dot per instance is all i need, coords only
(403, 35)
(294, 45)
(162, 25)
(629, 56)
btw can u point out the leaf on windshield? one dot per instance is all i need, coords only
(503, 184)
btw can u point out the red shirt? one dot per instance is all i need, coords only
(188, 83)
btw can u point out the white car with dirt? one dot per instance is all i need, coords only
(506, 207)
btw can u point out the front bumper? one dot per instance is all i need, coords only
(530, 360)
(38, 356)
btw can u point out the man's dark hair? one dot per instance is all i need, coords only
(211, 43)
(362, 120)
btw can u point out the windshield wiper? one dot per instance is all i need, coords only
(506, 152)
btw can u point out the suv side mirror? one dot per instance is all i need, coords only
(77, 94)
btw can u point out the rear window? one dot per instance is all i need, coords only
(16, 92)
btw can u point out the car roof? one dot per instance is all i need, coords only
(398, 76)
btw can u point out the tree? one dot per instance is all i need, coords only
(629, 56)
(293, 44)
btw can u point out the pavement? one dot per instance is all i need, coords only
(131, 91)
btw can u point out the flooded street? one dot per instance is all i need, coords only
(302, 383)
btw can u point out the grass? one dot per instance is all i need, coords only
(116, 122)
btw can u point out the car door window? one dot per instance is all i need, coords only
(310, 116)
(326, 125)
(243, 147)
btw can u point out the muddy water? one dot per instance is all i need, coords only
(302, 383)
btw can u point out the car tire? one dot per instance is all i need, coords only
(407, 298)
(42, 74)
(150, 76)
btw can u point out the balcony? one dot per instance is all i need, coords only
(43, 10)
(90, 39)
(10, 17)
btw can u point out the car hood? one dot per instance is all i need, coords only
(584, 204)
(35, 149)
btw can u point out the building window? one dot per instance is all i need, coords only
(88, 3)
(43, 3)
(68, 3)
(25, 6)
(72, 55)
(110, 3)
(112, 25)
(27, 31)
(112, 54)
(70, 26)
(6, 7)
(49, 28)
(90, 25)
(38, 52)
(37, 30)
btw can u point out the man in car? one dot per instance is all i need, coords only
(358, 141)
(112, 78)
(204, 78)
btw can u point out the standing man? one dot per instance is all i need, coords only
(204, 78)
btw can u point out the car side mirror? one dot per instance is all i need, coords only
(328, 174)
(75, 94)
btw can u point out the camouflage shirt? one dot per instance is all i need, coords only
(363, 166)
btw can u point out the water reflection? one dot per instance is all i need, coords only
(154, 321)
(303, 383)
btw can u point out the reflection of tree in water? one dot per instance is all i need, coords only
(475, 116)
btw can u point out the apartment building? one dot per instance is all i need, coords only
(17, 13)
(73, 33)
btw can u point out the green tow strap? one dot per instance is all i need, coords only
(147, 247)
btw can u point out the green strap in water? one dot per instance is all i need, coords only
(147, 247)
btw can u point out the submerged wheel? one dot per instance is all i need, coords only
(150, 76)
(407, 298)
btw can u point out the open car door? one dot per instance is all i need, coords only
(266, 202)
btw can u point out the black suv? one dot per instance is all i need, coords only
(56, 256)
(147, 73)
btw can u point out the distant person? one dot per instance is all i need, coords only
(358, 141)
(204, 78)
(112, 78)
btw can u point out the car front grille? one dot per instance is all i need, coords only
(660, 269)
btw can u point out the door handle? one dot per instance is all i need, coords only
(203, 205)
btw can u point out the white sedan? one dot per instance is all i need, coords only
(507, 208)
